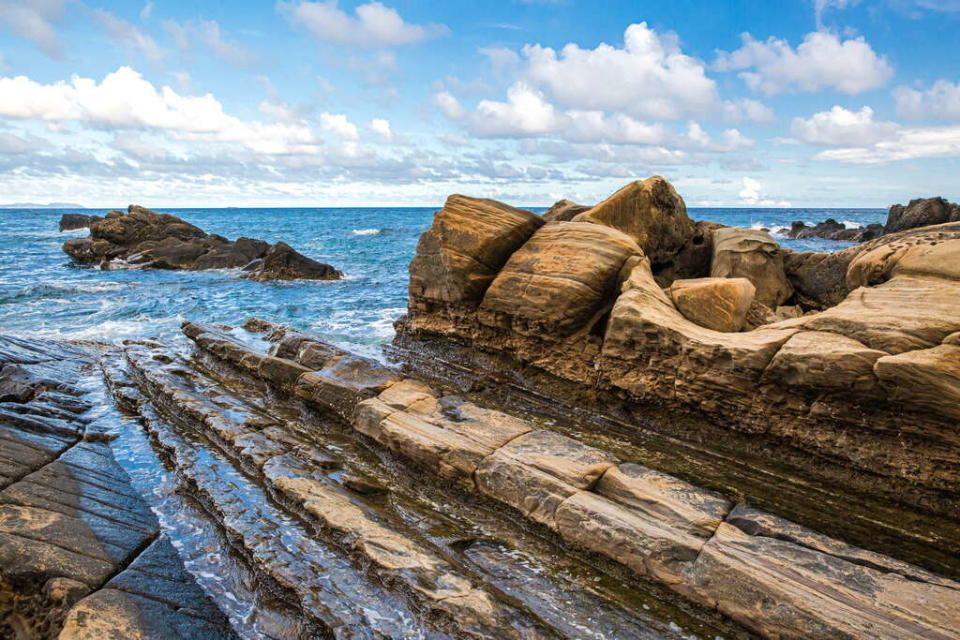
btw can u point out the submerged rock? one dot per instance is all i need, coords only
(145, 239)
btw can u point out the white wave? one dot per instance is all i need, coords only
(367, 232)
(774, 229)
(108, 330)
(849, 224)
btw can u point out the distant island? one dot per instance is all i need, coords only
(49, 205)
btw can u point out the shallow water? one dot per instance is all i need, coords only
(42, 295)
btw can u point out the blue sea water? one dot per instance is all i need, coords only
(42, 295)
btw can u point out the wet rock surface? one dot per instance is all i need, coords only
(72, 221)
(145, 239)
(830, 229)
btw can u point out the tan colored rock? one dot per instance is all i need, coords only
(665, 498)
(931, 253)
(535, 472)
(925, 378)
(564, 211)
(783, 583)
(343, 382)
(560, 281)
(755, 255)
(824, 360)
(720, 304)
(468, 243)
(649, 211)
(645, 544)
(281, 372)
(694, 258)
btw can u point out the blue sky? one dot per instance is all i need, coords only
(804, 103)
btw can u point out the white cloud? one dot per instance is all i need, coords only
(941, 102)
(841, 127)
(449, 104)
(125, 100)
(747, 109)
(339, 124)
(500, 56)
(35, 20)
(129, 35)
(372, 25)
(208, 33)
(752, 194)
(906, 144)
(650, 77)
(147, 11)
(381, 128)
(525, 113)
(821, 61)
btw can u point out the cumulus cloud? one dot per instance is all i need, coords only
(35, 20)
(649, 77)
(525, 113)
(449, 105)
(752, 194)
(372, 25)
(821, 61)
(905, 144)
(381, 128)
(941, 102)
(338, 124)
(129, 35)
(125, 100)
(841, 127)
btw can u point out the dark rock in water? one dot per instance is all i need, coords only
(564, 211)
(145, 239)
(830, 229)
(71, 221)
(921, 212)
(281, 262)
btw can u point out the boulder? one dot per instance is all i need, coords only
(561, 281)
(927, 378)
(720, 304)
(649, 211)
(755, 255)
(694, 258)
(231, 255)
(282, 262)
(71, 221)
(830, 229)
(921, 212)
(564, 211)
(467, 244)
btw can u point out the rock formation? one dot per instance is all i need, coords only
(830, 229)
(820, 376)
(71, 221)
(921, 212)
(144, 239)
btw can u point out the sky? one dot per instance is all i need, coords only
(174, 103)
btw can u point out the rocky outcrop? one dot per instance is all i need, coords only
(564, 211)
(921, 212)
(71, 221)
(576, 314)
(145, 239)
(830, 229)
(775, 577)
(81, 554)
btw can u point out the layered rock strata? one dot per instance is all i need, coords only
(775, 577)
(824, 391)
(144, 239)
(81, 554)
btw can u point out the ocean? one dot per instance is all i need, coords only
(43, 295)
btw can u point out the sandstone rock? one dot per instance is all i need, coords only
(562, 211)
(931, 251)
(755, 255)
(561, 281)
(720, 304)
(824, 360)
(649, 211)
(282, 262)
(694, 258)
(645, 544)
(71, 221)
(921, 212)
(343, 382)
(669, 501)
(468, 243)
(927, 378)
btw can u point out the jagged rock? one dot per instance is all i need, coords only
(145, 239)
(561, 281)
(830, 229)
(649, 211)
(694, 258)
(71, 221)
(563, 211)
(467, 245)
(755, 255)
(281, 262)
(921, 212)
(720, 304)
